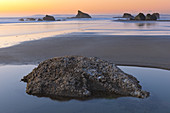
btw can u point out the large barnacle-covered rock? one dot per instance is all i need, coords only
(79, 77)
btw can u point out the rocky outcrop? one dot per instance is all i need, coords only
(157, 15)
(81, 77)
(148, 17)
(154, 17)
(140, 16)
(127, 15)
(151, 17)
(30, 19)
(49, 18)
(82, 15)
(21, 19)
(39, 19)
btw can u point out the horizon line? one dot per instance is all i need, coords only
(22, 14)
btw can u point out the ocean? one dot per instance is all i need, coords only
(13, 31)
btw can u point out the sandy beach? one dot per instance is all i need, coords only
(145, 51)
(84, 56)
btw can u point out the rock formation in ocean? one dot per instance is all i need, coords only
(21, 19)
(154, 17)
(30, 19)
(157, 15)
(148, 17)
(127, 15)
(140, 16)
(80, 77)
(82, 15)
(39, 19)
(151, 17)
(49, 18)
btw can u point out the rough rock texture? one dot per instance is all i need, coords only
(140, 16)
(49, 18)
(157, 15)
(127, 15)
(82, 15)
(151, 17)
(78, 77)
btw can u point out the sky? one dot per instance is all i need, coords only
(26, 7)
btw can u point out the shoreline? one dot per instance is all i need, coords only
(140, 51)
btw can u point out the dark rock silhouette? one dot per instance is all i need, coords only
(127, 15)
(151, 17)
(49, 18)
(140, 16)
(82, 15)
(148, 17)
(154, 17)
(39, 19)
(157, 15)
(21, 19)
(30, 19)
(80, 77)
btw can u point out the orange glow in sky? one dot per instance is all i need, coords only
(91, 6)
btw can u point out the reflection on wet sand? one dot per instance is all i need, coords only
(145, 24)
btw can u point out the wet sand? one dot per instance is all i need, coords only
(146, 51)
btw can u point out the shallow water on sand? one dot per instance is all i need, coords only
(12, 33)
(13, 98)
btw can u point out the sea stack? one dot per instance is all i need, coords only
(82, 15)
(49, 18)
(127, 15)
(39, 19)
(151, 17)
(140, 16)
(157, 15)
(81, 77)
(21, 19)
(30, 19)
